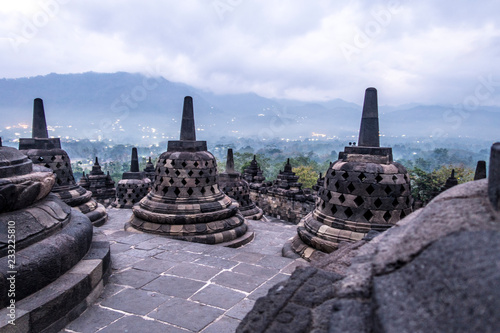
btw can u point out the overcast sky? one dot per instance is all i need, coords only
(411, 51)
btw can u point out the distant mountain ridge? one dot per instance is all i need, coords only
(127, 106)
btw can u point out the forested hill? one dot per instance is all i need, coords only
(130, 107)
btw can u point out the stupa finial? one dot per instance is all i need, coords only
(230, 161)
(39, 129)
(369, 130)
(480, 170)
(188, 130)
(134, 163)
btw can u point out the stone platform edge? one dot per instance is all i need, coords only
(57, 304)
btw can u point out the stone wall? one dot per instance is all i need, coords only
(288, 208)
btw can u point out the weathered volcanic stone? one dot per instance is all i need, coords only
(149, 170)
(364, 190)
(253, 174)
(101, 185)
(47, 152)
(134, 185)
(185, 201)
(236, 188)
(284, 197)
(50, 237)
(437, 270)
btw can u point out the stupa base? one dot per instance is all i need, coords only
(81, 200)
(51, 308)
(254, 213)
(230, 238)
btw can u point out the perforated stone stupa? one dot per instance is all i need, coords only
(134, 185)
(253, 174)
(150, 170)
(185, 201)
(364, 190)
(41, 241)
(287, 180)
(436, 271)
(100, 184)
(47, 152)
(236, 188)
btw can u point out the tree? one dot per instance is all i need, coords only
(77, 170)
(307, 176)
(427, 185)
(424, 186)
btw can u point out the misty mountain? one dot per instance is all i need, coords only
(129, 107)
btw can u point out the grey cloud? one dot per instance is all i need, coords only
(425, 51)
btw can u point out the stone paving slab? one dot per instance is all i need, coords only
(164, 285)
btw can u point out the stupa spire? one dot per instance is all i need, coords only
(187, 140)
(230, 161)
(39, 129)
(188, 130)
(369, 130)
(480, 170)
(134, 163)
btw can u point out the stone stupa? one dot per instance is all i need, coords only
(100, 184)
(185, 201)
(134, 185)
(437, 270)
(150, 170)
(47, 152)
(450, 182)
(287, 180)
(253, 174)
(320, 182)
(48, 257)
(236, 188)
(364, 190)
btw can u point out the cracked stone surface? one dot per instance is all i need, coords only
(165, 285)
(437, 270)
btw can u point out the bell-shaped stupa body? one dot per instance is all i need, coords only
(230, 182)
(47, 152)
(134, 185)
(150, 170)
(435, 271)
(101, 185)
(364, 190)
(185, 201)
(41, 239)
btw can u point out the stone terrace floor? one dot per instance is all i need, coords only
(164, 285)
